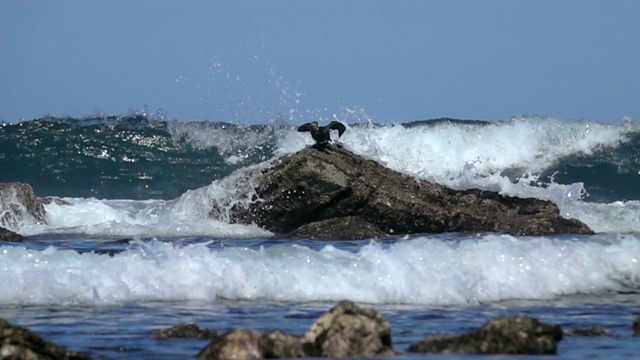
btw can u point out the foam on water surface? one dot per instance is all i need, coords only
(202, 211)
(424, 270)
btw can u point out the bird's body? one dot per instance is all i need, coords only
(322, 134)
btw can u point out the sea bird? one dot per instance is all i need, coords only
(322, 134)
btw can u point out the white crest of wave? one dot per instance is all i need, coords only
(225, 137)
(619, 216)
(204, 211)
(232, 141)
(417, 271)
(440, 152)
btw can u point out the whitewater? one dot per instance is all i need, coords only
(142, 219)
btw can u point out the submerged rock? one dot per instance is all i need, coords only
(335, 194)
(16, 200)
(191, 331)
(503, 335)
(636, 326)
(20, 343)
(8, 235)
(344, 331)
(592, 331)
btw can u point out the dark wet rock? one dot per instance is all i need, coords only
(335, 194)
(348, 227)
(20, 343)
(503, 335)
(593, 331)
(55, 200)
(349, 331)
(344, 331)
(636, 327)
(235, 344)
(16, 199)
(191, 331)
(8, 235)
(250, 344)
(276, 344)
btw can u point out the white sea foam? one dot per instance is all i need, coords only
(417, 271)
(619, 217)
(13, 213)
(204, 211)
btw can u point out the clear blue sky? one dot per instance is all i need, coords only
(246, 61)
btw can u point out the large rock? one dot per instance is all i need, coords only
(20, 343)
(503, 335)
(344, 331)
(16, 200)
(335, 194)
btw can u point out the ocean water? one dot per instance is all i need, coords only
(135, 249)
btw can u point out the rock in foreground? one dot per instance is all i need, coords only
(20, 343)
(344, 331)
(349, 331)
(335, 194)
(503, 335)
(234, 344)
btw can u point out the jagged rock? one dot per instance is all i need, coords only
(8, 235)
(636, 326)
(191, 331)
(335, 194)
(15, 199)
(349, 331)
(348, 227)
(503, 335)
(593, 331)
(278, 345)
(250, 344)
(344, 331)
(20, 343)
(54, 200)
(235, 344)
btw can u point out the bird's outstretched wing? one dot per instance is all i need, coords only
(336, 125)
(312, 126)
